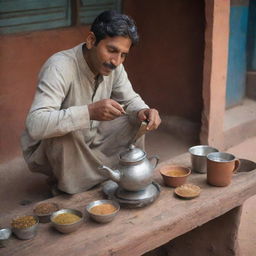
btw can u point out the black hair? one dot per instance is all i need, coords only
(112, 23)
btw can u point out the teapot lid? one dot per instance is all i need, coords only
(133, 154)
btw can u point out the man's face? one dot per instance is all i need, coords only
(108, 54)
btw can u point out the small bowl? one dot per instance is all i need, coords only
(174, 175)
(46, 211)
(5, 234)
(187, 191)
(67, 228)
(26, 233)
(102, 218)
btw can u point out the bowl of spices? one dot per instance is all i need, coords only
(44, 211)
(25, 227)
(187, 191)
(174, 175)
(67, 220)
(103, 211)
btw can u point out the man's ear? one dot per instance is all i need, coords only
(90, 40)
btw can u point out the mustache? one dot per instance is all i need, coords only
(109, 65)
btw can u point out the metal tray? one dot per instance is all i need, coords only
(109, 189)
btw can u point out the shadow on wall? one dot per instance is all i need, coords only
(183, 129)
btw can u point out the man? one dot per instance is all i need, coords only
(85, 111)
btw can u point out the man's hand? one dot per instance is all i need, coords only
(152, 116)
(105, 110)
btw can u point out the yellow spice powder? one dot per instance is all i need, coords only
(175, 173)
(66, 218)
(103, 209)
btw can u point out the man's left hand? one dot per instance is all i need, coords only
(152, 116)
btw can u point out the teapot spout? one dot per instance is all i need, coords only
(109, 173)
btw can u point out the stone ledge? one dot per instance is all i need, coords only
(239, 123)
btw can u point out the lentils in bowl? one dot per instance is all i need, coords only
(44, 211)
(25, 227)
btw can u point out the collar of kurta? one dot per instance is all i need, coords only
(85, 67)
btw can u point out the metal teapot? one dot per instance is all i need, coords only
(134, 171)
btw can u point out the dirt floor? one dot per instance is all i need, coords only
(19, 187)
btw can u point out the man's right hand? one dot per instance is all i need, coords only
(105, 110)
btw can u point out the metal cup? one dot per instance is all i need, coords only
(198, 157)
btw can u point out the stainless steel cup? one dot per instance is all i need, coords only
(198, 157)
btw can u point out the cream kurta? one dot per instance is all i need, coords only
(59, 117)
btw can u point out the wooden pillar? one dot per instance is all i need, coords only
(75, 6)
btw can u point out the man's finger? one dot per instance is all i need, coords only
(118, 106)
(151, 120)
(154, 119)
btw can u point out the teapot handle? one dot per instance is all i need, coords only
(156, 158)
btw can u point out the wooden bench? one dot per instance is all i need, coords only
(206, 225)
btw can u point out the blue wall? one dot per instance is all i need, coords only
(251, 44)
(237, 61)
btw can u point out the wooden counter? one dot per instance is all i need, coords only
(137, 231)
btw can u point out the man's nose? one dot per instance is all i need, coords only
(116, 59)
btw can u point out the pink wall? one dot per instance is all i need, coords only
(165, 68)
(167, 65)
(22, 55)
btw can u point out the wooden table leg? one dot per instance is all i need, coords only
(215, 238)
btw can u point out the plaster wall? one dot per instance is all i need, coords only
(167, 65)
(22, 56)
(165, 68)
(237, 54)
(215, 72)
(222, 128)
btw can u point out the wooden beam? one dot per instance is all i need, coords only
(75, 7)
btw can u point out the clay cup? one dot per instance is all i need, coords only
(174, 175)
(220, 168)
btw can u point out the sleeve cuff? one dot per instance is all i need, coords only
(80, 117)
